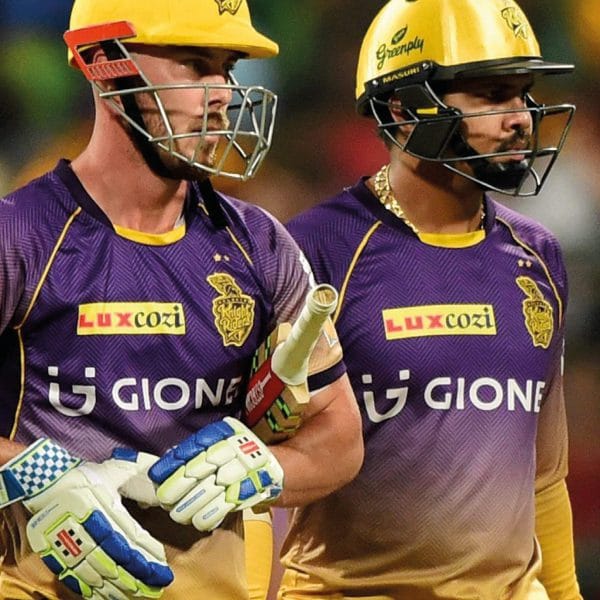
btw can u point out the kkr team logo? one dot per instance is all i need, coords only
(231, 6)
(439, 319)
(233, 310)
(515, 20)
(538, 313)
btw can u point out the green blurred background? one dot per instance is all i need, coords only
(320, 145)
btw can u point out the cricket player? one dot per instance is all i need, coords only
(132, 299)
(452, 318)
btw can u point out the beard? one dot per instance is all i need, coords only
(506, 175)
(164, 164)
(519, 136)
(177, 168)
(509, 174)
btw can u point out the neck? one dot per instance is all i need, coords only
(431, 198)
(115, 175)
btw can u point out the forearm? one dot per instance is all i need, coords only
(326, 452)
(554, 530)
(9, 449)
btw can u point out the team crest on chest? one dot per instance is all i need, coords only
(538, 312)
(231, 6)
(233, 310)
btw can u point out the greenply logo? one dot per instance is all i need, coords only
(398, 46)
(399, 36)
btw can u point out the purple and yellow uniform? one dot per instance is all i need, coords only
(453, 345)
(114, 338)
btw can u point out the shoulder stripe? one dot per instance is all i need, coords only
(355, 258)
(239, 245)
(233, 238)
(542, 263)
(17, 413)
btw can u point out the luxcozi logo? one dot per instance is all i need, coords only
(439, 319)
(131, 318)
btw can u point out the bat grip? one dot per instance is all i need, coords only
(290, 358)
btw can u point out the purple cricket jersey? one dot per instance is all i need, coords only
(114, 338)
(453, 345)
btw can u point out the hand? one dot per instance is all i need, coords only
(80, 528)
(138, 486)
(223, 467)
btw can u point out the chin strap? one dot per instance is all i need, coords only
(131, 108)
(212, 204)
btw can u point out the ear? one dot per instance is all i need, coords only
(96, 55)
(400, 116)
(396, 110)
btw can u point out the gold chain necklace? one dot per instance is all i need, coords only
(383, 189)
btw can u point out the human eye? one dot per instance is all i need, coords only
(525, 92)
(494, 94)
(198, 66)
(229, 67)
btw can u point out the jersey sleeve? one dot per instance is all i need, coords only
(552, 433)
(554, 531)
(552, 438)
(291, 278)
(288, 277)
(331, 235)
(12, 272)
(30, 224)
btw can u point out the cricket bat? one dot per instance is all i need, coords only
(278, 391)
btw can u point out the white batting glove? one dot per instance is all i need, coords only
(223, 467)
(79, 526)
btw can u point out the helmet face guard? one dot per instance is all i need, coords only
(435, 135)
(244, 140)
(413, 48)
(248, 135)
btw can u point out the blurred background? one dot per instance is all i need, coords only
(320, 145)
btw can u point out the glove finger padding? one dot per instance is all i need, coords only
(223, 467)
(84, 535)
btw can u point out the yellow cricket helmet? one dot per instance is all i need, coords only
(204, 23)
(414, 48)
(223, 24)
(439, 40)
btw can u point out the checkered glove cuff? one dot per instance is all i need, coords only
(34, 470)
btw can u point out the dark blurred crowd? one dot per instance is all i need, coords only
(320, 145)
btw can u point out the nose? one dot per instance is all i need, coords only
(218, 95)
(519, 118)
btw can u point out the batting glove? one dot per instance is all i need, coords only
(79, 526)
(221, 468)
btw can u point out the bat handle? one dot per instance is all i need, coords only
(290, 358)
(322, 299)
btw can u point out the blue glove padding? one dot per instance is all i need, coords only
(223, 467)
(81, 530)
